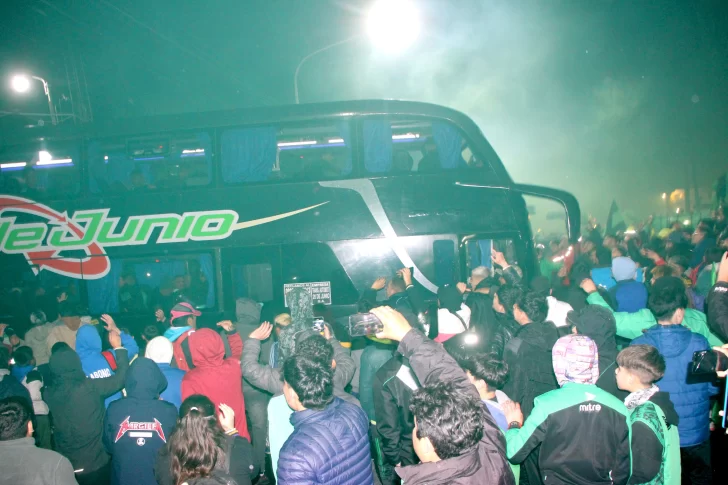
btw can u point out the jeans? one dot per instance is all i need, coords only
(374, 356)
(695, 462)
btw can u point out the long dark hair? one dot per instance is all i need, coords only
(197, 446)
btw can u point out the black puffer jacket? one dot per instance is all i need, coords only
(718, 310)
(394, 384)
(530, 366)
(77, 406)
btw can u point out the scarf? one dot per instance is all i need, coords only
(640, 397)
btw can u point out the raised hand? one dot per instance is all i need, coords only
(588, 285)
(114, 338)
(226, 417)
(379, 283)
(110, 324)
(262, 332)
(406, 275)
(499, 259)
(395, 324)
(227, 325)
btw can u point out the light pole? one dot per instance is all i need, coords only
(392, 26)
(21, 84)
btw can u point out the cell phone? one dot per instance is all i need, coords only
(318, 324)
(709, 362)
(362, 324)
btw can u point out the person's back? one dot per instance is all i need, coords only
(136, 427)
(93, 362)
(160, 350)
(677, 344)
(76, 404)
(528, 356)
(630, 296)
(21, 462)
(330, 441)
(394, 384)
(37, 337)
(215, 376)
(581, 431)
(9, 385)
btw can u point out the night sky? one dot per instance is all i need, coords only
(607, 99)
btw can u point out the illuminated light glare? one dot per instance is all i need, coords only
(336, 140)
(677, 211)
(44, 156)
(149, 275)
(470, 339)
(686, 222)
(296, 143)
(406, 136)
(393, 25)
(60, 161)
(195, 150)
(664, 196)
(106, 157)
(20, 84)
(631, 231)
(13, 165)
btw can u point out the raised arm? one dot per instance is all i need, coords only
(261, 376)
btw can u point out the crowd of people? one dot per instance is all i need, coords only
(582, 374)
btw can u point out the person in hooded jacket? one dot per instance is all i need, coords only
(215, 376)
(581, 431)
(77, 406)
(161, 351)
(629, 295)
(136, 427)
(37, 337)
(88, 348)
(677, 344)
(599, 324)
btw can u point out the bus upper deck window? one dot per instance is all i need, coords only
(319, 151)
(42, 170)
(152, 162)
(403, 146)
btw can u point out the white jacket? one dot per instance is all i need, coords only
(557, 311)
(39, 405)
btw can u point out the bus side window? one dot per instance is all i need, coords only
(170, 161)
(404, 146)
(319, 151)
(40, 170)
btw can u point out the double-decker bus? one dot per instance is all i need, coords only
(247, 203)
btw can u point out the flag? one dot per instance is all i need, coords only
(615, 220)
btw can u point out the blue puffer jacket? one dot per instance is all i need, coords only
(329, 447)
(95, 366)
(677, 343)
(629, 296)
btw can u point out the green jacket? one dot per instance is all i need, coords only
(583, 434)
(631, 325)
(652, 416)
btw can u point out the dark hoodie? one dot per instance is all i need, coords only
(598, 324)
(77, 405)
(216, 377)
(136, 427)
(530, 366)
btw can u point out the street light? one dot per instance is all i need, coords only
(21, 84)
(392, 26)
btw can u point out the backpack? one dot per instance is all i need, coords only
(652, 416)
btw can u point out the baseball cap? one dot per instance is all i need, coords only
(183, 309)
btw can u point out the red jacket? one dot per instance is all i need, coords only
(214, 376)
(179, 355)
